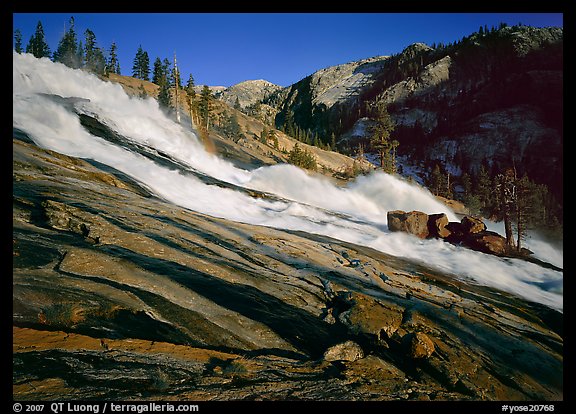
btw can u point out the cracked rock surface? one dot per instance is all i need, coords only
(120, 295)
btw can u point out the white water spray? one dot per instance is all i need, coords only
(355, 213)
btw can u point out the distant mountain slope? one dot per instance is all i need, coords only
(248, 152)
(493, 98)
(248, 92)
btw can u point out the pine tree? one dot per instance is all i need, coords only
(37, 44)
(191, 100)
(333, 142)
(113, 64)
(303, 159)
(164, 94)
(483, 187)
(190, 83)
(141, 65)
(233, 129)
(145, 66)
(90, 49)
(530, 207)
(469, 198)
(67, 51)
(158, 74)
(204, 105)
(18, 41)
(505, 197)
(166, 67)
(380, 139)
(436, 180)
(95, 61)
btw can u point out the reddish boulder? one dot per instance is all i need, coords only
(414, 222)
(487, 242)
(469, 232)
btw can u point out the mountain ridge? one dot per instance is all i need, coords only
(459, 105)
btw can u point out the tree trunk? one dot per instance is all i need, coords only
(508, 230)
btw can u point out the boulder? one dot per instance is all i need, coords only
(418, 345)
(345, 351)
(472, 224)
(469, 232)
(368, 316)
(486, 242)
(456, 232)
(437, 225)
(413, 222)
(462, 232)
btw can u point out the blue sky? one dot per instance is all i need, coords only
(222, 49)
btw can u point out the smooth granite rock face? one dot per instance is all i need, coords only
(120, 295)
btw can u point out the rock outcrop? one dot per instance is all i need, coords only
(470, 231)
(414, 222)
(346, 351)
(248, 93)
(119, 295)
(418, 345)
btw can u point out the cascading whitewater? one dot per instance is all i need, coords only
(355, 213)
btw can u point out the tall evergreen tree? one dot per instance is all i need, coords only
(141, 65)
(530, 207)
(164, 94)
(190, 83)
(90, 48)
(37, 44)
(505, 197)
(158, 74)
(113, 64)
(67, 50)
(145, 66)
(18, 41)
(436, 179)
(190, 97)
(166, 67)
(470, 199)
(95, 61)
(380, 139)
(232, 128)
(483, 187)
(333, 142)
(136, 63)
(204, 105)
